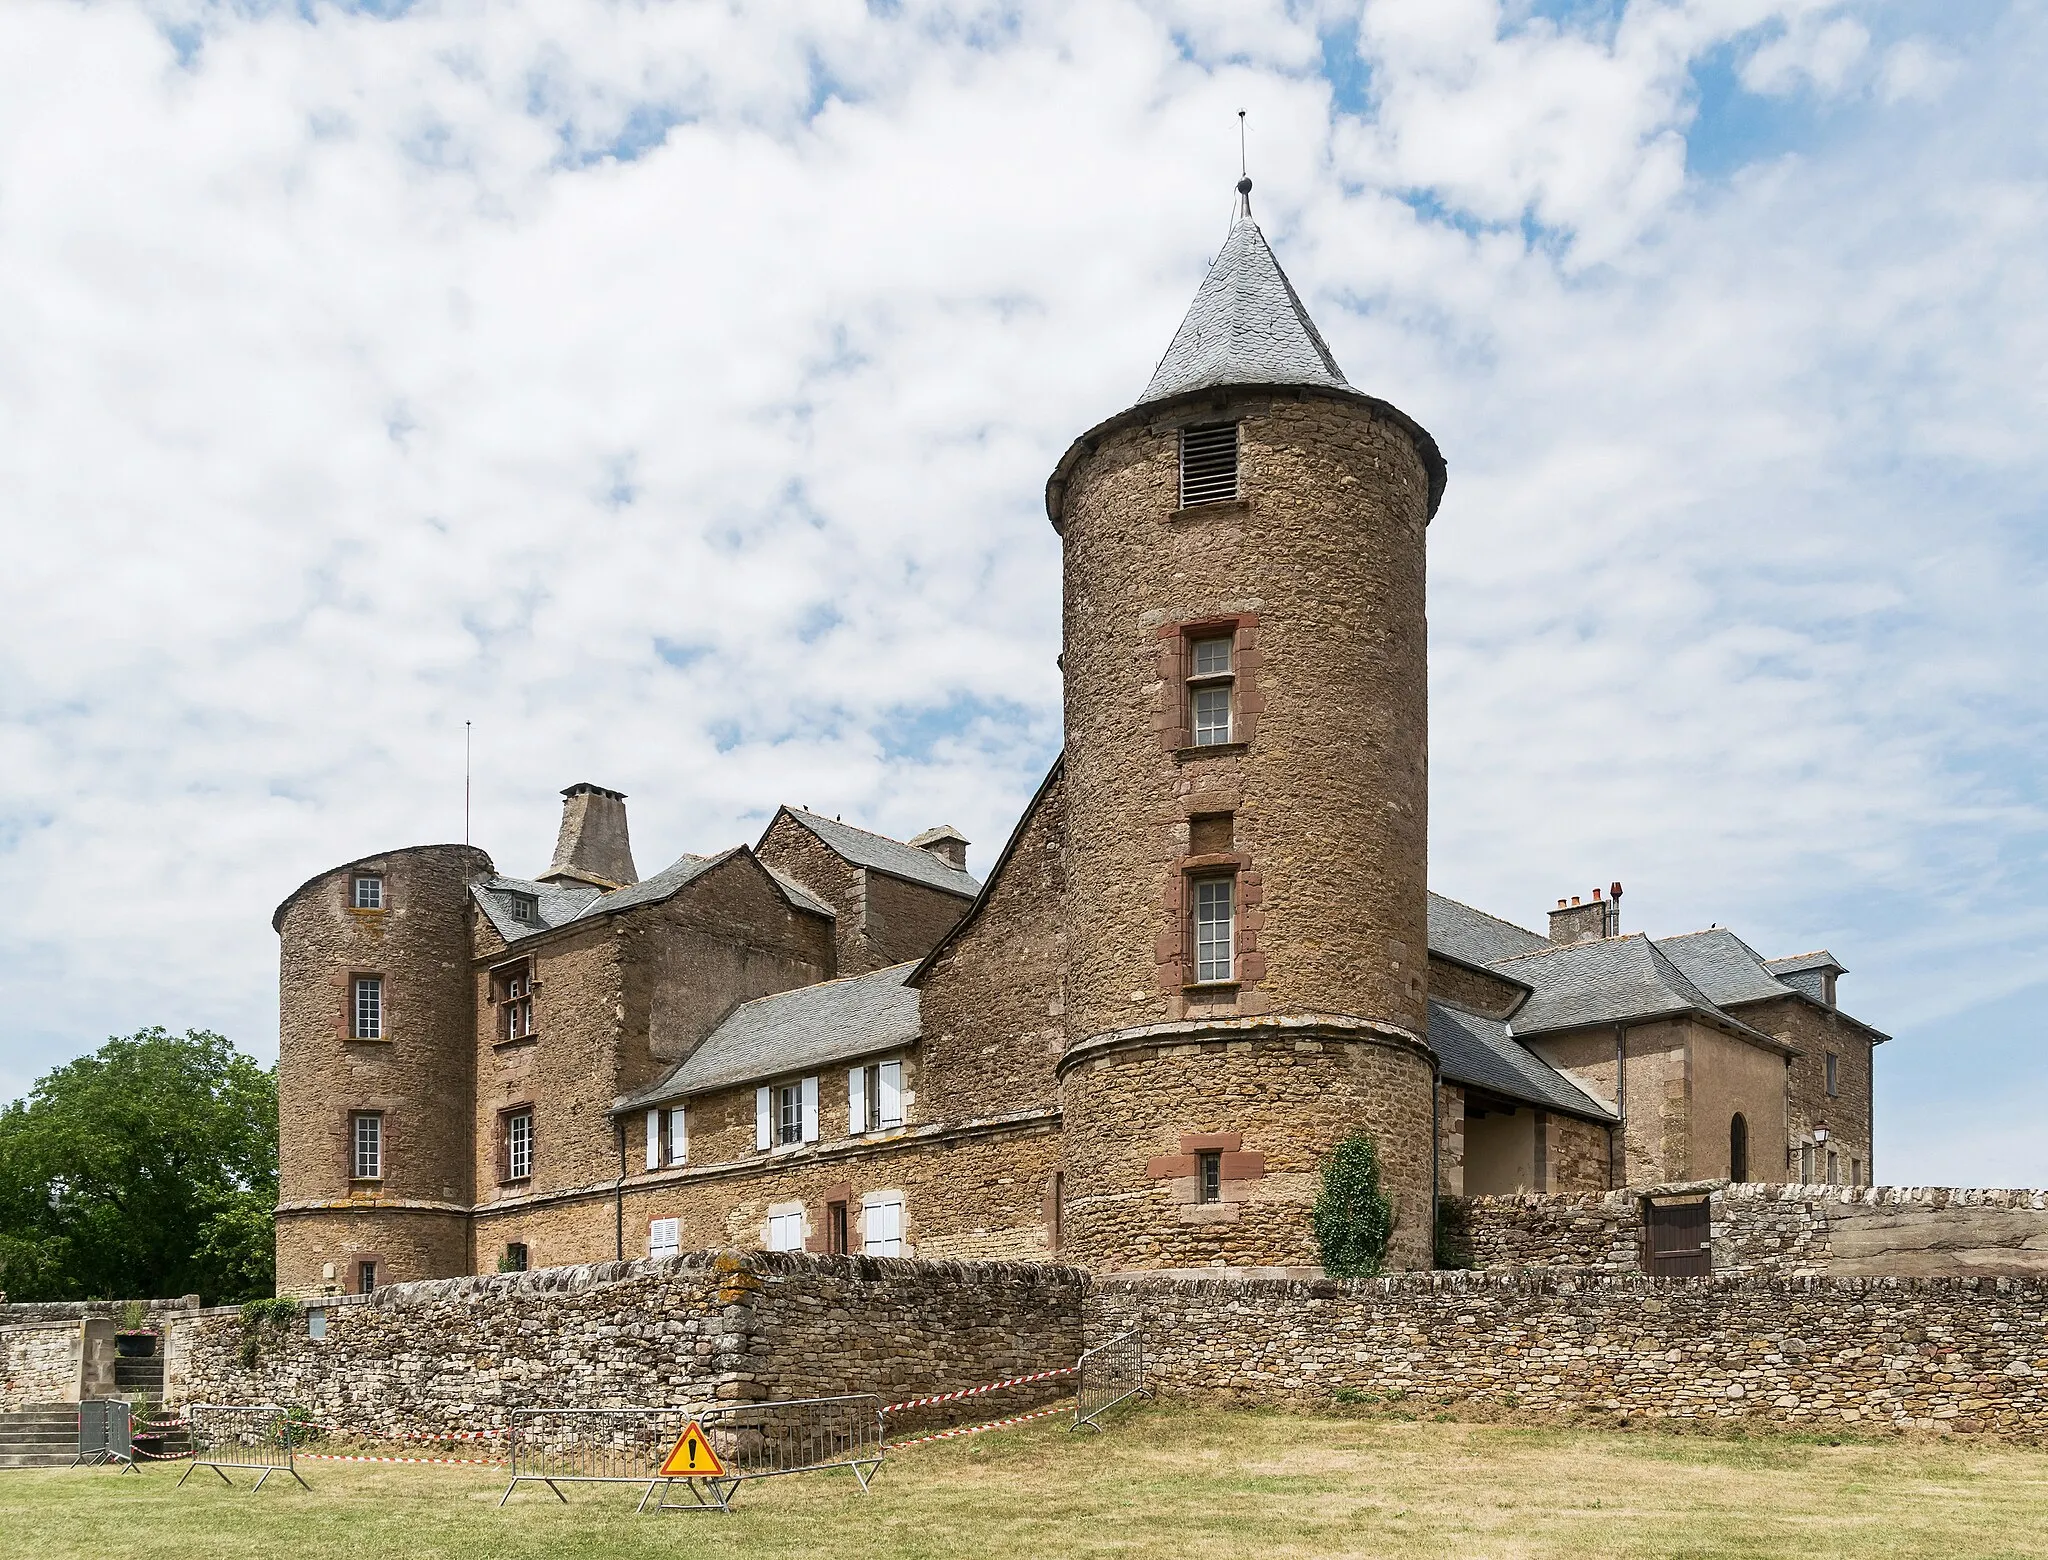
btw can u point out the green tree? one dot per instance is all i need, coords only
(148, 1168)
(1353, 1220)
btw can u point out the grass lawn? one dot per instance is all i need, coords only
(1166, 1481)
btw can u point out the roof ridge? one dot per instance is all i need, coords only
(805, 812)
(1488, 915)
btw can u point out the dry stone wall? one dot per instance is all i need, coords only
(427, 1358)
(1963, 1355)
(39, 1363)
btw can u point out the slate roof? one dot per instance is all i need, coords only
(798, 895)
(883, 854)
(1723, 966)
(1246, 327)
(1613, 980)
(1799, 963)
(557, 904)
(795, 1031)
(1480, 1051)
(1476, 937)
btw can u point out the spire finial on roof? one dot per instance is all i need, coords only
(1244, 172)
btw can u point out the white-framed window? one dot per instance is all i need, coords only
(668, 1138)
(524, 908)
(366, 1008)
(874, 1097)
(368, 893)
(664, 1238)
(366, 1146)
(786, 1113)
(519, 1145)
(1208, 464)
(1211, 677)
(515, 1002)
(678, 1136)
(881, 1224)
(786, 1231)
(1215, 928)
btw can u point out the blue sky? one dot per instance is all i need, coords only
(669, 390)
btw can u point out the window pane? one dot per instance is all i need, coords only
(1212, 716)
(369, 893)
(678, 1137)
(1213, 928)
(1212, 656)
(789, 1115)
(519, 1146)
(369, 1148)
(368, 1020)
(1210, 1169)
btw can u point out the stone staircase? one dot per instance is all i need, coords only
(44, 1436)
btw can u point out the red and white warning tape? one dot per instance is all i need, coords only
(968, 1392)
(993, 1424)
(364, 1457)
(409, 1435)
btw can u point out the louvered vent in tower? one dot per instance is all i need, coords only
(1208, 464)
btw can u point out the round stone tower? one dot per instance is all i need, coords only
(1247, 773)
(376, 1066)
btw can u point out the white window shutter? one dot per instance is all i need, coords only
(892, 1094)
(678, 1137)
(654, 1140)
(761, 1117)
(811, 1109)
(856, 1101)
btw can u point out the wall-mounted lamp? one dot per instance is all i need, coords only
(1820, 1132)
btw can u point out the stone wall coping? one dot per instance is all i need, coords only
(1566, 1281)
(33, 1312)
(1769, 1191)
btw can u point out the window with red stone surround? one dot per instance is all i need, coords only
(1173, 713)
(1212, 853)
(1235, 1164)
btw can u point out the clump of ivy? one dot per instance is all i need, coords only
(1353, 1220)
(263, 1319)
(1453, 1233)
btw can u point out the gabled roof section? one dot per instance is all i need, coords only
(1246, 326)
(1801, 963)
(1474, 937)
(1479, 1051)
(882, 854)
(559, 903)
(800, 896)
(1723, 966)
(795, 1031)
(1614, 980)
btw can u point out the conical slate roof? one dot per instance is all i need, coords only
(1245, 327)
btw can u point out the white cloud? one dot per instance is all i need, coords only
(355, 391)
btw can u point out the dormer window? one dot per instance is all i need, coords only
(368, 893)
(1210, 685)
(524, 907)
(1208, 464)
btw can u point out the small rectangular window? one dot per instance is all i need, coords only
(881, 1221)
(664, 1238)
(515, 1257)
(366, 1141)
(366, 1276)
(881, 1094)
(369, 893)
(789, 1113)
(523, 908)
(519, 1145)
(366, 1008)
(1211, 687)
(1834, 1076)
(1855, 1172)
(1208, 464)
(1209, 1176)
(1215, 928)
(515, 986)
(1806, 1164)
(678, 1137)
(786, 1231)
(835, 1228)
(316, 1323)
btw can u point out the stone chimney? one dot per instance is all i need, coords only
(592, 847)
(1587, 921)
(947, 843)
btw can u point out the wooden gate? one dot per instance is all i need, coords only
(1678, 1239)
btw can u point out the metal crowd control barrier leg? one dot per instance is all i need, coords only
(106, 1433)
(557, 1446)
(242, 1435)
(1110, 1373)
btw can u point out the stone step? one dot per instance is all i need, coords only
(58, 1459)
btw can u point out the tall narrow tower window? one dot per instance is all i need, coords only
(1215, 928)
(1209, 691)
(366, 1012)
(1208, 464)
(367, 1135)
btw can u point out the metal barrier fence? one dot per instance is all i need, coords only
(241, 1435)
(106, 1433)
(1111, 1373)
(556, 1446)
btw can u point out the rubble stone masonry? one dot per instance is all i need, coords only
(1963, 1355)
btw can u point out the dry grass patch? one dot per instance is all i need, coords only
(1167, 1481)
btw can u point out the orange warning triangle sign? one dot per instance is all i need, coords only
(691, 1457)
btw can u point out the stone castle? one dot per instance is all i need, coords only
(1205, 955)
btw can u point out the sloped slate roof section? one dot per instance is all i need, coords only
(555, 904)
(1800, 963)
(665, 882)
(1476, 937)
(796, 1031)
(886, 855)
(1602, 982)
(1245, 327)
(1723, 966)
(1481, 1052)
(800, 896)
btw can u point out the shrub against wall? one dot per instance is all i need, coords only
(1353, 1219)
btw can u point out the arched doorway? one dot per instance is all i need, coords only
(1738, 1149)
